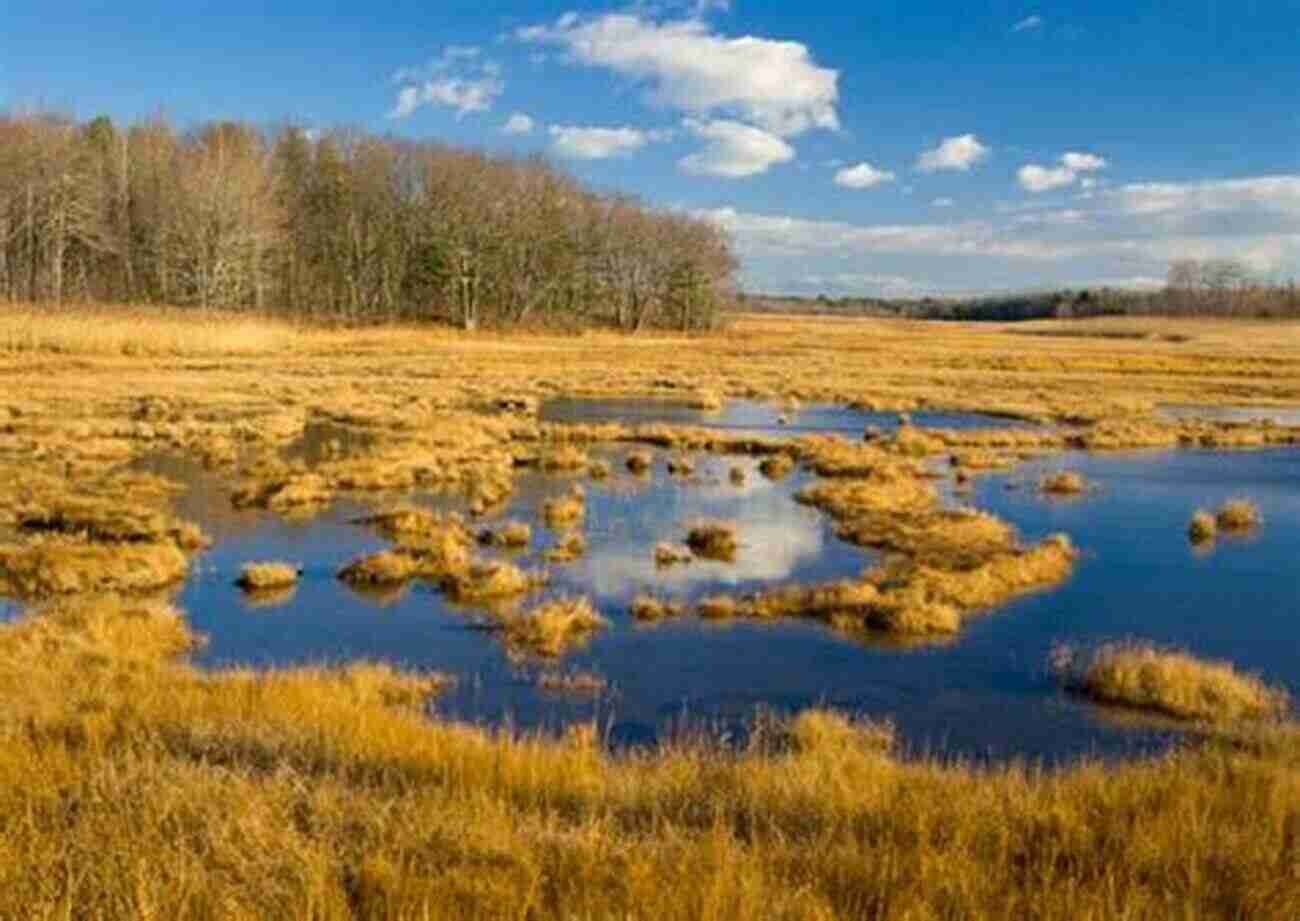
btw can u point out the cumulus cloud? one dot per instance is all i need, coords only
(594, 143)
(943, 203)
(685, 65)
(862, 176)
(958, 154)
(458, 79)
(1028, 24)
(519, 123)
(1036, 178)
(733, 150)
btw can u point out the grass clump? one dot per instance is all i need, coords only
(264, 577)
(1203, 528)
(387, 567)
(1063, 483)
(647, 608)
(639, 461)
(714, 540)
(554, 627)
(737, 476)
(718, 607)
(680, 465)
(776, 466)
(491, 581)
(565, 459)
(1238, 515)
(513, 535)
(572, 546)
(706, 401)
(599, 470)
(565, 511)
(1169, 682)
(51, 566)
(667, 554)
(109, 521)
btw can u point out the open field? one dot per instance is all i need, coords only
(133, 784)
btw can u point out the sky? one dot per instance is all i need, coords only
(855, 147)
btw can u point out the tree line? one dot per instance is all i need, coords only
(342, 225)
(1199, 288)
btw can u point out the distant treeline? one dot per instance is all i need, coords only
(342, 225)
(1214, 288)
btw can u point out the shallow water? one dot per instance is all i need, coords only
(761, 418)
(1277, 415)
(985, 693)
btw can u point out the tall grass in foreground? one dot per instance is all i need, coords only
(134, 786)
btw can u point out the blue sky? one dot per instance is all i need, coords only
(850, 147)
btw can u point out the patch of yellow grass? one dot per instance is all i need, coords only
(649, 608)
(1063, 483)
(667, 554)
(65, 566)
(1238, 515)
(776, 466)
(491, 581)
(260, 577)
(714, 540)
(717, 607)
(140, 332)
(1170, 682)
(570, 547)
(136, 786)
(680, 465)
(1203, 527)
(573, 682)
(552, 628)
(387, 567)
(513, 534)
(639, 461)
(565, 511)
(565, 459)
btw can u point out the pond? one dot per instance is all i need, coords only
(986, 693)
(753, 417)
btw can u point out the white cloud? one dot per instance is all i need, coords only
(519, 123)
(586, 143)
(687, 66)
(1036, 178)
(458, 78)
(862, 176)
(955, 153)
(1028, 24)
(1123, 234)
(943, 203)
(733, 150)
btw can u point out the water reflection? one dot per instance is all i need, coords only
(984, 693)
(762, 418)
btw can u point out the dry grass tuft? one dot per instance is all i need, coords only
(718, 607)
(513, 535)
(681, 465)
(491, 581)
(649, 608)
(737, 476)
(1169, 682)
(1238, 515)
(776, 466)
(565, 459)
(261, 577)
(53, 566)
(1203, 528)
(570, 547)
(387, 567)
(707, 401)
(640, 461)
(1063, 483)
(599, 470)
(714, 540)
(565, 511)
(553, 628)
(667, 554)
